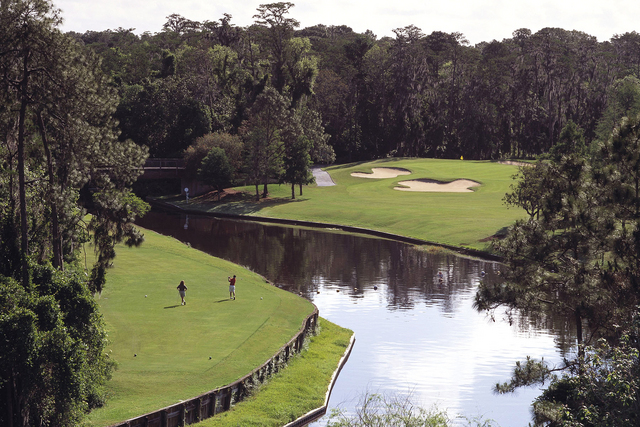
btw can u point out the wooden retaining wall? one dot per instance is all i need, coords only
(221, 399)
(311, 224)
(317, 413)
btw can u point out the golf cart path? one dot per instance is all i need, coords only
(323, 179)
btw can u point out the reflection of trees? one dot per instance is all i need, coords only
(298, 259)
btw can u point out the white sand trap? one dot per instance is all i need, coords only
(382, 173)
(515, 163)
(430, 185)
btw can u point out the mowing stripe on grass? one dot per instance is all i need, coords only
(167, 352)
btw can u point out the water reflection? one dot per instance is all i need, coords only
(415, 332)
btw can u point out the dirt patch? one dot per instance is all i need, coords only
(382, 173)
(430, 185)
(228, 195)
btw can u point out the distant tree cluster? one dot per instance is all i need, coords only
(196, 79)
(415, 94)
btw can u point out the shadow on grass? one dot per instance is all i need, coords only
(241, 204)
(237, 203)
(173, 306)
(223, 300)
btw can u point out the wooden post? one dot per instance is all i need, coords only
(214, 402)
(227, 399)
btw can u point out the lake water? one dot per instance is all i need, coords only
(415, 334)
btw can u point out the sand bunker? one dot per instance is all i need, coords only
(382, 173)
(430, 185)
(514, 163)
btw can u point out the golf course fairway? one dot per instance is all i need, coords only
(461, 219)
(167, 352)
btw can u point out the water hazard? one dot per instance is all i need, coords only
(415, 333)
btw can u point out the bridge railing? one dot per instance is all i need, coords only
(166, 163)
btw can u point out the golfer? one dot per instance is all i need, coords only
(182, 290)
(232, 287)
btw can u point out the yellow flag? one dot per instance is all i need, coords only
(461, 158)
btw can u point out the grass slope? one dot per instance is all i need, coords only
(293, 391)
(459, 219)
(167, 352)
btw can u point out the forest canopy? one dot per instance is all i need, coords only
(416, 94)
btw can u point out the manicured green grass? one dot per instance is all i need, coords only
(459, 219)
(294, 391)
(167, 352)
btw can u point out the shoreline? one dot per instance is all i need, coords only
(321, 225)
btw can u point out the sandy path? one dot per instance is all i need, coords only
(382, 173)
(429, 185)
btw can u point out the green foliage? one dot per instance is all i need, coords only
(555, 258)
(624, 101)
(112, 224)
(67, 143)
(195, 153)
(375, 410)
(379, 410)
(263, 138)
(163, 116)
(416, 94)
(216, 170)
(529, 188)
(10, 256)
(603, 391)
(570, 142)
(53, 366)
(577, 257)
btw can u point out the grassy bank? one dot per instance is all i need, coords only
(459, 219)
(167, 352)
(294, 391)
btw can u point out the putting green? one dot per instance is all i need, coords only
(167, 352)
(467, 219)
(382, 173)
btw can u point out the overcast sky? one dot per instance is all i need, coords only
(478, 20)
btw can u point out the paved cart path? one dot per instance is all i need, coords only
(323, 179)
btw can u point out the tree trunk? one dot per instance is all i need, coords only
(301, 189)
(257, 192)
(24, 244)
(55, 226)
(293, 191)
(9, 386)
(580, 343)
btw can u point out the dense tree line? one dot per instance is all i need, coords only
(60, 158)
(576, 256)
(415, 94)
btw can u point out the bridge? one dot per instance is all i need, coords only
(168, 168)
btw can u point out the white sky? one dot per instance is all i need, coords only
(478, 20)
